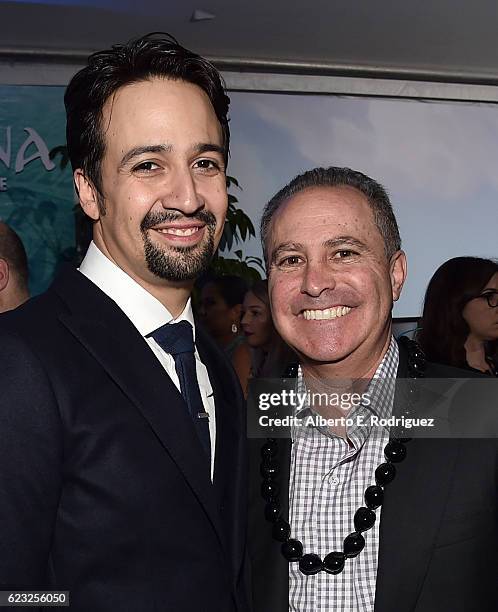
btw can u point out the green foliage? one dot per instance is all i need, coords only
(238, 228)
(241, 266)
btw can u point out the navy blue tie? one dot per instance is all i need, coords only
(177, 339)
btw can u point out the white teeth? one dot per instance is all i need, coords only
(179, 232)
(327, 313)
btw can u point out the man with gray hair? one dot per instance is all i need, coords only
(349, 517)
(13, 269)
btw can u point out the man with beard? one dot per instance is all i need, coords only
(122, 447)
(349, 517)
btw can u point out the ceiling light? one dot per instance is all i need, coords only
(201, 15)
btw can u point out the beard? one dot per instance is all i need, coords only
(178, 263)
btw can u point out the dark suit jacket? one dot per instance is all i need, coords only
(104, 487)
(438, 528)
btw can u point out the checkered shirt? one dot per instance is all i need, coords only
(328, 479)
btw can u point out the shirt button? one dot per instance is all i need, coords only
(333, 480)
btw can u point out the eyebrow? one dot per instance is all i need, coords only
(208, 147)
(198, 149)
(329, 244)
(285, 246)
(137, 151)
(350, 240)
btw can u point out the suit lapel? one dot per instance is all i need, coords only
(410, 517)
(108, 335)
(228, 404)
(230, 473)
(270, 574)
(270, 577)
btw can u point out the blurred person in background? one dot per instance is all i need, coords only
(220, 311)
(460, 317)
(13, 269)
(270, 353)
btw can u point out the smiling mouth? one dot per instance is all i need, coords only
(180, 235)
(326, 313)
(176, 231)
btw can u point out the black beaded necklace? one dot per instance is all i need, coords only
(364, 517)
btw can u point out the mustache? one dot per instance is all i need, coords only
(155, 218)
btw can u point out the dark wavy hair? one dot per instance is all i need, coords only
(154, 55)
(444, 330)
(232, 288)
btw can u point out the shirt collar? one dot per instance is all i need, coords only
(380, 389)
(382, 386)
(144, 310)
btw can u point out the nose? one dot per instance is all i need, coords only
(317, 278)
(183, 193)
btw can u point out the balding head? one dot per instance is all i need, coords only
(13, 269)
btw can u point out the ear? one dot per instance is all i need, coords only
(87, 195)
(4, 274)
(397, 271)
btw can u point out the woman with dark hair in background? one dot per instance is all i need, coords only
(220, 311)
(460, 318)
(271, 354)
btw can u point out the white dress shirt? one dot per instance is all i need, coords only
(147, 314)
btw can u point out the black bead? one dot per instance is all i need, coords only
(413, 392)
(269, 468)
(385, 474)
(292, 550)
(281, 530)
(395, 451)
(374, 496)
(291, 371)
(334, 563)
(416, 367)
(417, 353)
(364, 518)
(354, 543)
(310, 564)
(269, 448)
(272, 511)
(269, 490)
